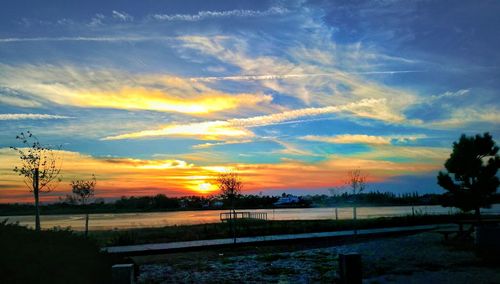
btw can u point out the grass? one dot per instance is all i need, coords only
(249, 228)
(268, 257)
(277, 270)
(53, 256)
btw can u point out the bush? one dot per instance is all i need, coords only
(53, 256)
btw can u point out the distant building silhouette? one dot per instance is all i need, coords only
(287, 199)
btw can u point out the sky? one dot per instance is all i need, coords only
(162, 96)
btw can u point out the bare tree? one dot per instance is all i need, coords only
(40, 168)
(356, 181)
(230, 185)
(82, 191)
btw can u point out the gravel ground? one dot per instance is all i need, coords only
(420, 258)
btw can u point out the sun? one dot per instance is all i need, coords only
(206, 187)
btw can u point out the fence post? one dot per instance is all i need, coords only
(122, 274)
(350, 268)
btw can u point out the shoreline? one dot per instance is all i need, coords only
(259, 229)
(82, 211)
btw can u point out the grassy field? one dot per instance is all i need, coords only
(253, 228)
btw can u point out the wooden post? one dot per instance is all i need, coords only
(350, 268)
(86, 224)
(122, 274)
(336, 214)
(355, 218)
(36, 192)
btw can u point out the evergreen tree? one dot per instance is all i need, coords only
(471, 180)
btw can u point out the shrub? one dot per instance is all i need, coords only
(50, 256)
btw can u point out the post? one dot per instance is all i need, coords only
(336, 214)
(233, 222)
(477, 213)
(122, 274)
(350, 268)
(413, 211)
(86, 224)
(36, 191)
(355, 217)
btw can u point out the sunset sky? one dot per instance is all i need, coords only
(161, 96)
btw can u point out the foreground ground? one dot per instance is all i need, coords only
(50, 256)
(421, 258)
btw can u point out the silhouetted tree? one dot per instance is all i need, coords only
(40, 168)
(82, 191)
(471, 179)
(230, 185)
(356, 181)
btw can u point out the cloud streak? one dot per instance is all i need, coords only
(293, 76)
(30, 116)
(119, 90)
(122, 16)
(202, 15)
(363, 139)
(130, 38)
(238, 127)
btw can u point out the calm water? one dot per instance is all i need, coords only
(160, 219)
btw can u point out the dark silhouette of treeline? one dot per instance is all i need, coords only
(155, 203)
(161, 202)
(376, 198)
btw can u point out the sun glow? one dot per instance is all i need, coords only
(205, 187)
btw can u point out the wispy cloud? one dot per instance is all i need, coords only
(211, 130)
(122, 16)
(466, 117)
(11, 97)
(230, 142)
(115, 89)
(434, 156)
(129, 38)
(32, 116)
(291, 76)
(238, 127)
(202, 15)
(97, 20)
(150, 164)
(297, 75)
(448, 95)
(363, 139)
(291, 149)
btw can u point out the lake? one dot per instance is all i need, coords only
(160, 219)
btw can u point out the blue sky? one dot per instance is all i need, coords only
(292, 94)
